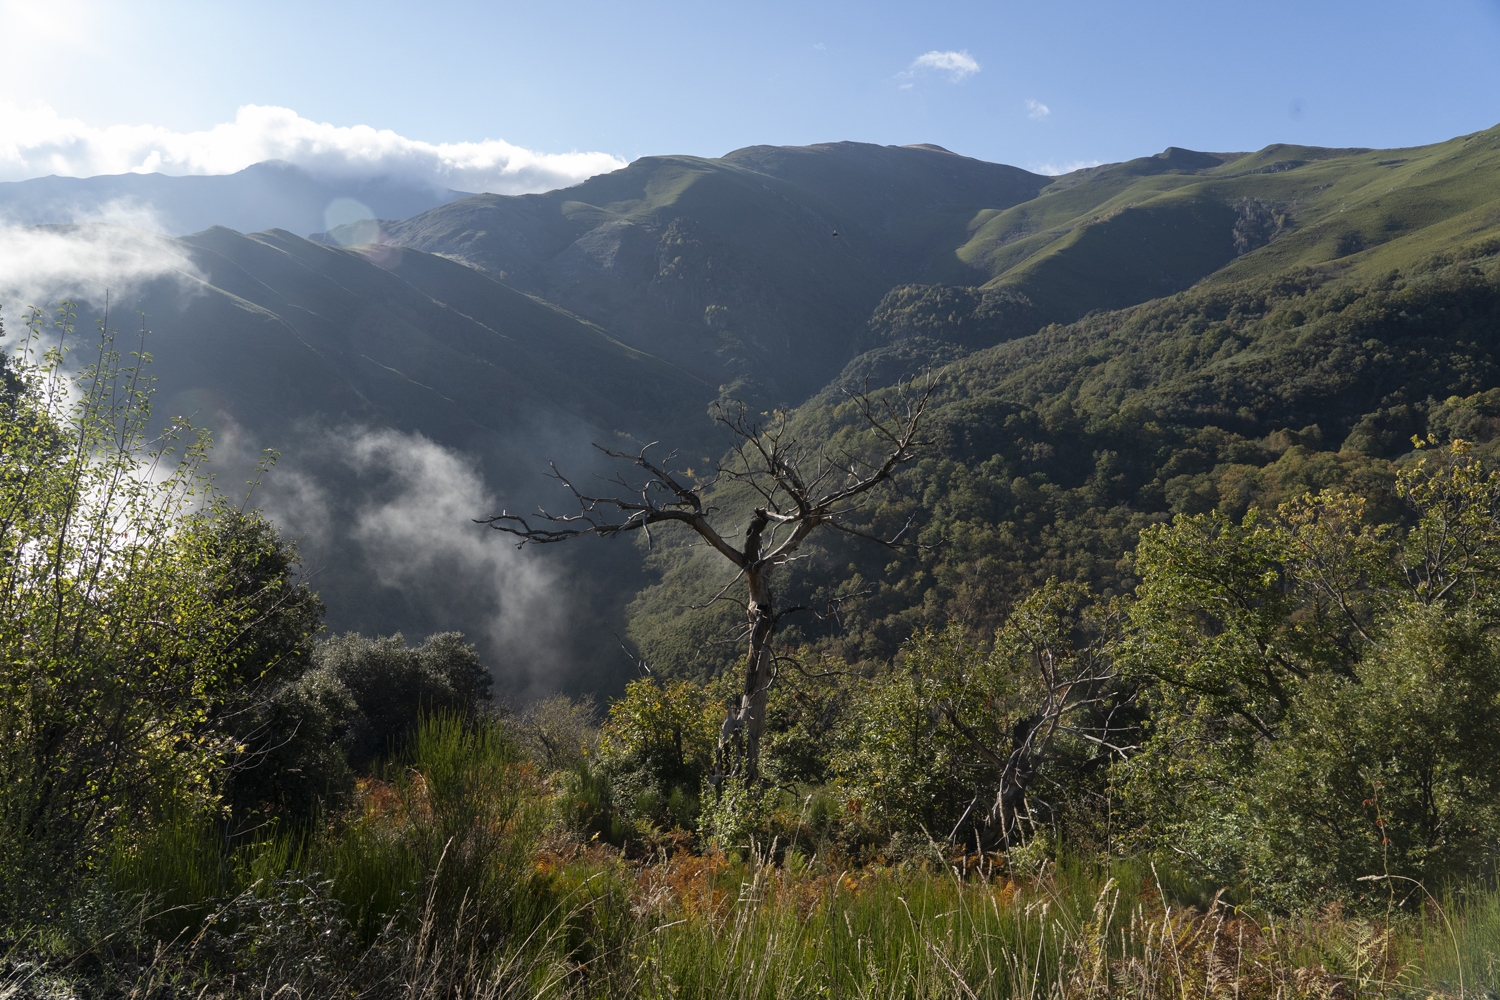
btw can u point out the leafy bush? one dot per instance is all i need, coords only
(115, 631)
(558, 733)
(1324, 693)
(392, 685)
(658, 747)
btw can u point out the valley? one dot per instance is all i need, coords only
(1127, 335)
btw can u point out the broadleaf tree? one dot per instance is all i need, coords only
(112, 641)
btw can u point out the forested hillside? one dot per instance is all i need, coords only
(1050, 453)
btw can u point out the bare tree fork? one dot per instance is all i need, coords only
(1075, 695)
(799, 487)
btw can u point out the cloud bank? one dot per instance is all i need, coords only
(114, 252)
(956, 64)
(386, 525)
(36, 142)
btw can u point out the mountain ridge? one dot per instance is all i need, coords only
(271, 194)
(707, 262)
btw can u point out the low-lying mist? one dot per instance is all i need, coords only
(379, 490)
(115, 251)
(385, 524)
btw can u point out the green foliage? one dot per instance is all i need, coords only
(1324, 693)
(286, 761)
(930, 743)
(280, 615)
(1392, 774)
(293, 763)
(658, 745)
(970, 317)
(162, 700)
(114, 636)
(1053, 452)
(392, 685)
(558, 733)
(899, 765)
(587, 807)
(738, 813)
(803, 722)
(327, 711)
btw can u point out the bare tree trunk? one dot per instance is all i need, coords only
(758, 669)
(802, 488)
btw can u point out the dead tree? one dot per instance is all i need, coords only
(799, 487)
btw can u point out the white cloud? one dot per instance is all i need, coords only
(424, 530)
(956, 64)
(1056, 169)
(381, 512)
(37, 141)
(40, 265)
(1036, 110)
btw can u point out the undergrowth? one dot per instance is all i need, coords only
(452, 877)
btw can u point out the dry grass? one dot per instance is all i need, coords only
(698, 926)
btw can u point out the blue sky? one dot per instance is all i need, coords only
(1051, 85)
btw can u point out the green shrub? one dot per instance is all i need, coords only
(658, 743)
(393, 685)
(114, 638)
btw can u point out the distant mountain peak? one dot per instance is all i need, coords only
(1191, 159)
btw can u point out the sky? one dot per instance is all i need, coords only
(523, 96)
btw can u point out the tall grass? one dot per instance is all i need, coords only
(443, 883)
(766, 933)
(874, 934)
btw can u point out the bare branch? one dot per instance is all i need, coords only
(799, 489)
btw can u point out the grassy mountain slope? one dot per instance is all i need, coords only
(1115, 235)
(731, 267)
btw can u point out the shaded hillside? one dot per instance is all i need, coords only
(756, 271)
(730, 267)
(407, 394)
(369, 344)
